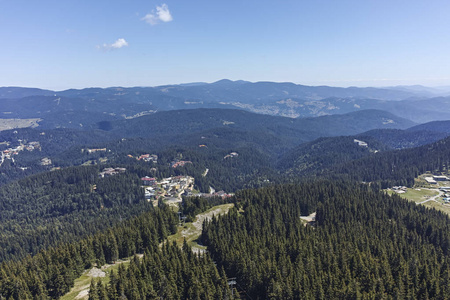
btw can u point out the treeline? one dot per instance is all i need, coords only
(62, 206)
(396, 167)
(363, 244)
(51, 273)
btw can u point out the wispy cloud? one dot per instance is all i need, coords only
(162, 14)
(116, 45)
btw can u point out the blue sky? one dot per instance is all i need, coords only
(76, 43)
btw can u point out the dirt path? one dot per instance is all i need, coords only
(200, 218)
(192, 231)
(82, 284)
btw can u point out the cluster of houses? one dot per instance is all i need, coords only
(446, 196)
(111, 172)
(399, 189)
(146, 157)
(170, 188)
(30, 146)
(10, 152)
(46, 161)
(179, 163)
(220, 194)
(231, 155)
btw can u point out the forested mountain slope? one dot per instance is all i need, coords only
(218, 129)
(362, 245)
(197, 120)
(61, 206)
(322, 153)
(436, 126)
(397, 167)
(400, 139)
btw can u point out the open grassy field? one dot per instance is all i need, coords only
(421, 195)
(439, 206)
(6, 124)
(417, 195)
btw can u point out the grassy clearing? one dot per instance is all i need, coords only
(6, 124)
(423, 191)
(81, 287)
(417, 195)
(192, 231)
(439, 206)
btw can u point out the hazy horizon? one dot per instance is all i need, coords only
(61, 44)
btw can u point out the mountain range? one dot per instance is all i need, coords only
(80, 108)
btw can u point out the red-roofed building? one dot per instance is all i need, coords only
(148, 180)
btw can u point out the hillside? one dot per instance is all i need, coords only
(436, 126)
(309, 158)
(218, 131)
(192, 121)
(397, 167)
(409, 138)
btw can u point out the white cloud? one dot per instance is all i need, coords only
(119, 44)
(162, 14)
(116, 45)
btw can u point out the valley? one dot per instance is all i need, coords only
(191, 187)
(224, 150)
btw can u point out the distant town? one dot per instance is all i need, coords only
(11, 152)
(171, 189)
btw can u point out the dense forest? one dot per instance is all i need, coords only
(61, 206)
(167, 273)
(322, 153)
(410, 138)
(396, 167)
(50, 273)
(362, 245)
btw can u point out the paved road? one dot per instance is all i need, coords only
(440, 193)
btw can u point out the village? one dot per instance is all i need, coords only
(170, 190)
(11, 152)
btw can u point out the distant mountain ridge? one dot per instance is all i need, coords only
(169, 122)
(78, 108)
